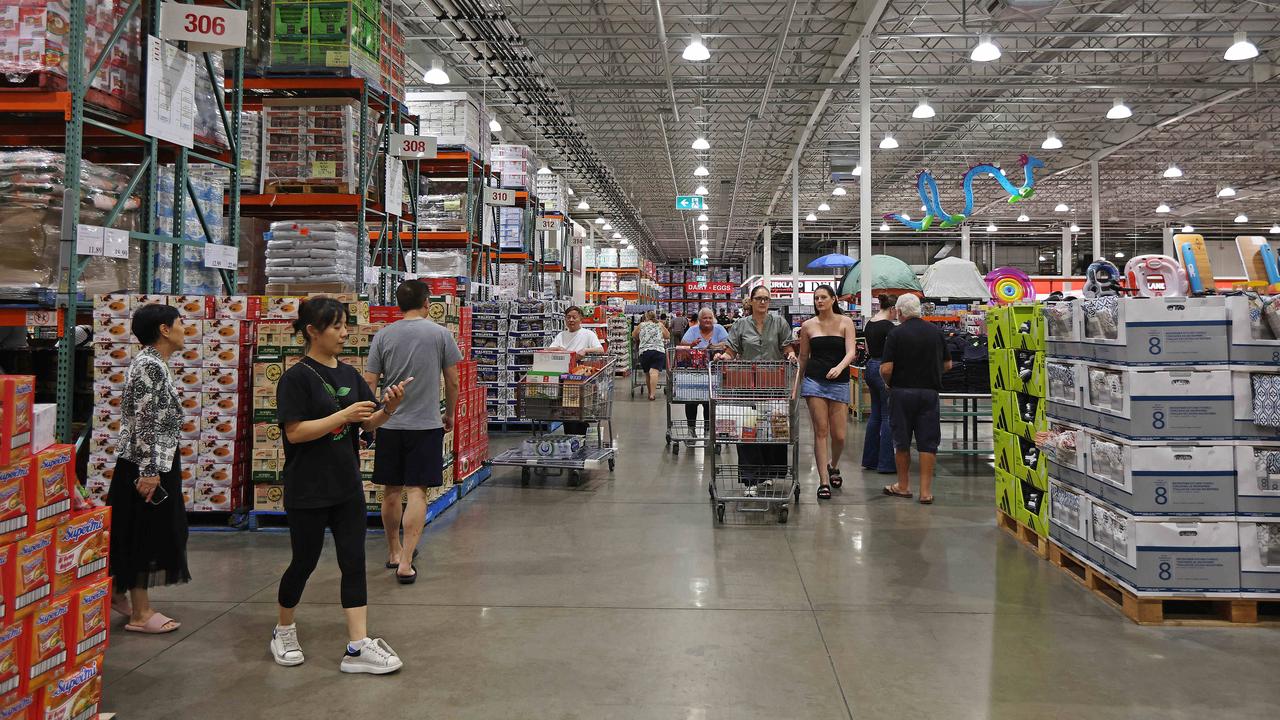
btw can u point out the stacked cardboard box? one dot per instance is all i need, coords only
(196, 278)
(315, 143)
(326, 37)
(503, 337)
(515, 163)
(453, 119)
(391, 63)
(1164, 450)
(1016, 341)
(211, 375)
(55, 597)
(553, 192)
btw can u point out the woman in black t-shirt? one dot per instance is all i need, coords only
(323, 404)
(877, 446)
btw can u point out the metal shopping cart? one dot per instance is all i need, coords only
(585, 398)
(688, 382)
(752, 408)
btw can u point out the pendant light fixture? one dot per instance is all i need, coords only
(991, 227)
(823, 207)
(838, 191)
(701, 171)
(494, 125)
(1051, 141)
(923, 110)
(702, 217)
(1023, 218)
(701, 190)
(700, 143)
(1188, 229)
(1275, 229)
(1226, 191)
(888, 143)
(811, 218)
(1074, 228)
(584, 205)
(857, 171)
(884, 227)
(1241, 49)
(1242, 218)
(1119, 111)
(985, 51)
(1162, 208)
(1173, 171)
(436, 74)
(696, 50)
(1061, 207)
(544, 170)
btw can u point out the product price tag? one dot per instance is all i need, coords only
(89, 240)
(499, 196)
(115, 243)
(219, 257)
(413, 147)
(204, 27)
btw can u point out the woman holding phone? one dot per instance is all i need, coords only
(148, 520)
(322, 405)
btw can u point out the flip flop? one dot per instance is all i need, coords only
(396, 565)
(407, 579)
(155, 625)
(893, 492)
(926, 500)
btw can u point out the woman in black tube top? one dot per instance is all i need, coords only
(827, 348)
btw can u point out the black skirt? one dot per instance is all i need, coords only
(148, 542)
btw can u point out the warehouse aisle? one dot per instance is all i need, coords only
(621, 599)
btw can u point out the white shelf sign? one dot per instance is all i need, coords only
(413, 147)
(204, 27)
(89, 240)
(219, 257)
(499, 196)
(547, 225)
(171, 93)
(115, 243)
(394, 184)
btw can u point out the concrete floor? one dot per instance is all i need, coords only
(622, 599)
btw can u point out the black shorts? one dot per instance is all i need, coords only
(653, 360)
(915, 410)
(412, 458)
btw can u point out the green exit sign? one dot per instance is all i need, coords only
(699, 261)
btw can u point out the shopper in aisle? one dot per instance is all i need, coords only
(409, 452)
(706, 335)
(322, 404)
(577, 339)
(148, 520)
(828, 344)
(912, 365)
(877, 447)
(677, 324)
(761, 336)
(651, 339)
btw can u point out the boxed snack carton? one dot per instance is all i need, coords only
(112, 354)
(189, 427)
(190, 307)
(268, 497)
(48, 651)
(90, 614)
(189, 379)
(191, 356)
(114, 304)
(216, 450)
(13, 659)
(236, 307)
(219, 379)
(191, 401)
(49, 485)
(222, 354)
(217, 473)
(80, 551)
(75, 694)
(17, 403)
(108, 329)
(226, 403)
(14, 519)
(214, 424)
(211, 496)
(33, 572)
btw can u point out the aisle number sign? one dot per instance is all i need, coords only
(413, 147)
(690, 202)
(499, 196)
(547, 225)
(203, 27)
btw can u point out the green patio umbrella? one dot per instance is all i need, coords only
(887, 273)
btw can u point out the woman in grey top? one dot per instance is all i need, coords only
(761, 336)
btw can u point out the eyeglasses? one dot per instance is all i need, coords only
(760, 299)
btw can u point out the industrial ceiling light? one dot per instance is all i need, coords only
(704, 256)
(837, 191)
(1275, 229)
(1119, 111)
(857, 171)
(606, 226)
(888, 143)
(1023, 218)
(1043, 258)
(1162, 208)
(702, 190)
(703, 227)
(1061, 207)
(1188, 229)
(1242, 218)
(617, 236)
(905, 216)
(1173, 171)
(923, 110)
(823, 207)
(695, 51)
(1119, 253)
(599, 220)
(571, 192)
(494, 125)
(985, 50)
(811, 218)
(700, 143)
(1051, 141)
(436, 75)
(701, 171)
(991, 227)
(1241, 49)
(584, 205)
(884, 227)
(1226, 191)
(702, 217)
(544, 170)
(1074, 228)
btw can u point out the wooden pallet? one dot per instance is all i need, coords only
(1171, 610)
(1025, 535)
(308, 188)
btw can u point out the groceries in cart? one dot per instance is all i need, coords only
(559, 447)
(764, 421)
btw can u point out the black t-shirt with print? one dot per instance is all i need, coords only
(325, 471)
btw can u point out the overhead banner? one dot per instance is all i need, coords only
(710, 288)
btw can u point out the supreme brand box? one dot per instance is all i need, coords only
(191, 356)
(1196, 480)
(1257, 479)
(1149, 555)
(1137, 404)
(48, 491)
(17, 405)
(1069, 517)
(33, 574)
(115, 354)
(81, 544)
(14, 661)
(90, 612)
(1255, 395)
(14, 517)
(76, 694)
(1163, 331)
(48, 652)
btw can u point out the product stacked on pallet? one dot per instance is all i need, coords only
(1016, 359)
(55, 596)
(391, 60)
(510, 229)
(619, 341)
(324, 37)
(1164, 445)
(674, 294)
(211, 375)
(208, 191)
(250, 151)
(553, 192)
(504, 334)
(514, 163)
(311, 256)
(454, 119)
(313, 145)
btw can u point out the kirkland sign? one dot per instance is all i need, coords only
(710, 288)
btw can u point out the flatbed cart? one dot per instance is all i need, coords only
(582, 398)
(688, 381)
(752, 405)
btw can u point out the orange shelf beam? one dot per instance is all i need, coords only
(513, 257)
(607, 293)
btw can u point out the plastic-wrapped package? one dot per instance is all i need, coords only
(453, 118)
(250, 150)
(208, 183)
(314, 144)
(342, 38)
(510, 227)
(443, 211)
(439, 263)
(208, 121)
(311, 251)
(31, 188)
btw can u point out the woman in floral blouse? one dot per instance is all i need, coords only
(148, 520)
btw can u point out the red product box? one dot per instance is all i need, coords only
(47, 635)
(49, 485)
(13, 659)
(13, 501)
(18, 706)
(80, 549)
(73, 695)
(442, 286)
(8, 576)
(32, 572)
(17, 403)
(90, 614)
(384, 314)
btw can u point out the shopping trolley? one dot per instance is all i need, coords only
(586, 397)
(688, 381)
(752, 407)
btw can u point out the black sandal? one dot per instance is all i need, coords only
(833, 473)
(396, 565)
(407, 579)
(824, 492)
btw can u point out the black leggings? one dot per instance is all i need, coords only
(306, 536)
(691, 413)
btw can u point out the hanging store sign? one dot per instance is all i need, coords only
(690, 202)
(710, 288)
(171, 93)
(698, 262)
(500, 196)
(547, 225)
(413, 147)
(204, 27)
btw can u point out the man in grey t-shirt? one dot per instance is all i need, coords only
(409, 452)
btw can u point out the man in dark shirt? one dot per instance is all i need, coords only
(912, 365)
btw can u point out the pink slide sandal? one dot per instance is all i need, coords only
(155, 625)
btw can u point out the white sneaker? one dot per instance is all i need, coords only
(375, 657)
(285, 647)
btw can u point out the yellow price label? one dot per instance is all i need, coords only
(324, 169)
